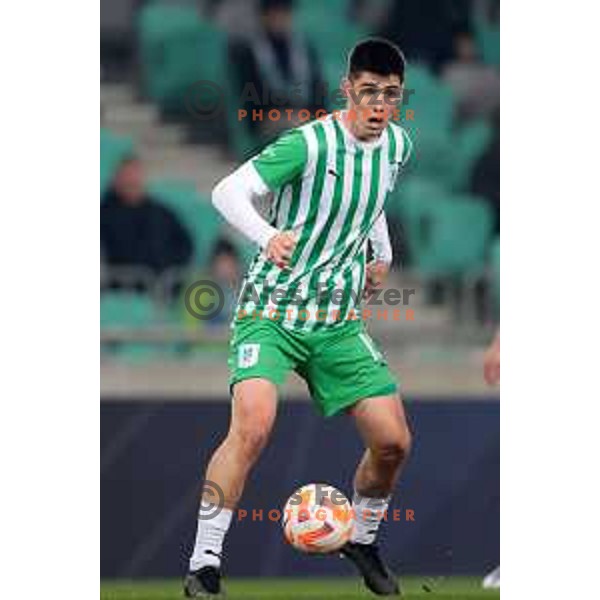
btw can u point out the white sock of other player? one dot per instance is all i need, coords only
(368, 513)
(209, 539)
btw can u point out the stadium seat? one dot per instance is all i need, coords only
(177, 48)
(331, 44)
(488, 39)
(122, 311)
(113, 149)
(241, 139)
(126, 309)
(412, 188)
(471, 142)
(331, 9)
(447, 234)
(432, 101)
(433, 157)
(441, 151)
(431, 128)
(195, 211)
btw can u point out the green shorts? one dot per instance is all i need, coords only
(341, 365)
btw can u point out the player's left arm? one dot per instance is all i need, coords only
(379, 267)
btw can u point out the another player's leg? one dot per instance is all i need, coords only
(382, 424)
(252, 416)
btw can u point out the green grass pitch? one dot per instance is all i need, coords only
(455, 588)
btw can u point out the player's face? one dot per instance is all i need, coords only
(372, 99)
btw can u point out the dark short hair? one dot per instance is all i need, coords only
(377, 55)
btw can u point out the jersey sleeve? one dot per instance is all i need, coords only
(282, 161)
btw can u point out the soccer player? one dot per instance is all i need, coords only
(330, 178)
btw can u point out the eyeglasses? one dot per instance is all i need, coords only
(376, 96)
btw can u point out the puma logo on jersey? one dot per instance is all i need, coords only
(332, 172)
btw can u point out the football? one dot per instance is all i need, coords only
(318, 519)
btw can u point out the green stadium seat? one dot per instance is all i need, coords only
(488, 40)
(121, 310)
(194, 210)
(331, 44)
(432, 101)
(441, 151)
(471, 142)
(433, 157)
(241, 139)
(126, 309)
(413, 187)
(113, 149)
(433, 106)
(177, 48)
(447, 234)
(449, 157)
(332, 9)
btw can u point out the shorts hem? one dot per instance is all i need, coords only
(244, 377)
(385, 390)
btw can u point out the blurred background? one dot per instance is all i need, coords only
(165, 140)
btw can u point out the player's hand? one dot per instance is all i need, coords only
(281, 247)
(491, 363)
(377, 273)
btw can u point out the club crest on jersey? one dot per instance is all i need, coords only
(248, 355)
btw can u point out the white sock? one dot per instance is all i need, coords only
(209, 539)
(368, 514)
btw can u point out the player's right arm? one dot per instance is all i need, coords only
(278, 164)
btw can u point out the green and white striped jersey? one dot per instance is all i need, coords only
(329, 190)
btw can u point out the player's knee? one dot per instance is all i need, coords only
(254, 414)
(252, 439)
(395, 448)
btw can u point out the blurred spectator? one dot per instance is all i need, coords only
(372, 14)
(423, 30)
(136, 230)
(225, 270)
(237, 17)
(225, 263)
(275, 68)
(487, 11)
(476, 86)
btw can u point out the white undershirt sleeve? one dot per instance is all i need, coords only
(232, 197)
(380, 240)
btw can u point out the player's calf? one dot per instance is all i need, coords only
(253, 414)
(384, 429)
(386, 456)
